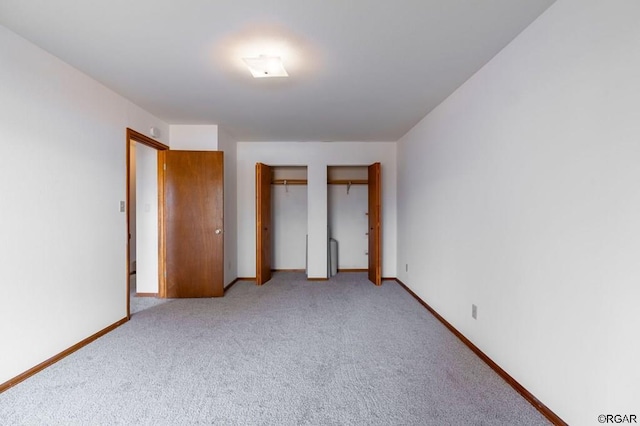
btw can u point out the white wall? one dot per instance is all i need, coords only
(349, 224)
(62, 177)
(288, 226)
(189, 137)
(521, 193)
(316, 156)
(317, 262)
(147, 218)
(227, 144)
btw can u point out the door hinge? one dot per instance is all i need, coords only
(164, 166)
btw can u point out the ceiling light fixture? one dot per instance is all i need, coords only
(266, 66)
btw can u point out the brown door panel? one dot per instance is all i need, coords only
(193, 221)
(263, 223)
(375, 229)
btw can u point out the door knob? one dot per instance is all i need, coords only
(218, 231)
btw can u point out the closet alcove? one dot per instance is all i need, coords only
(347, 203)
(281, 219)
(353, 216)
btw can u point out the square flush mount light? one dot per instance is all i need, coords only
(266, 66)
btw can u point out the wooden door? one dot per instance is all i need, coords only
(263, 223)
(193, 243)
(375, 229)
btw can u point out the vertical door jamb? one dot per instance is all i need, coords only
(162, 243)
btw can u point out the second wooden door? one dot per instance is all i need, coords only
(193, 242)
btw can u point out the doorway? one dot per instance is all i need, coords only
(143, 262)
(281, 220)
(347, 204)
(354, 216)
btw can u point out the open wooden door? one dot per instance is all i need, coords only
(375, 229)
(192, 240)
(263, 223)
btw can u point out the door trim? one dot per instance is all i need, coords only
(132, 135)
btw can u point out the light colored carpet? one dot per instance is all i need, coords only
(291, 352)
(138, 304)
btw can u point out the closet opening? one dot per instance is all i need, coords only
(347, 203)
(281, 220)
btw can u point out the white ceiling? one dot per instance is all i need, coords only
(360, 70)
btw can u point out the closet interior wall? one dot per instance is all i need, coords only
(347, 214)
(289, 218)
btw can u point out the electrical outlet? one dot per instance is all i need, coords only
(474, 311)
(406, 267)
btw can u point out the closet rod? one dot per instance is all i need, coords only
(348, 182)
(289, 181)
